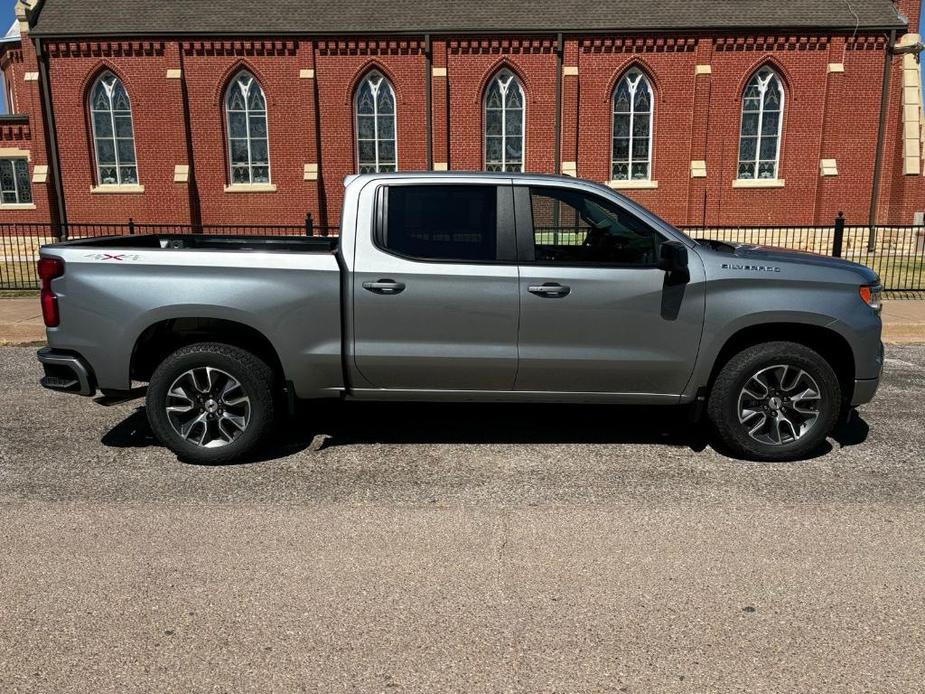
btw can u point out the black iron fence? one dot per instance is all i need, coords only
(897, 253)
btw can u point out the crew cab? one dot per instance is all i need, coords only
(464, 287)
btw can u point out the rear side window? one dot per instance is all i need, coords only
(442, 222)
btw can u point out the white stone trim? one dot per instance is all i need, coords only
(758, 183)
(310, 172)
(570, 168)
(438, 72)
(181, 173)
(32, 77)
(913, 126)
(703, 70)
(174, 74)
(836, 67)
(15, 153)
(40, 173)
(698, 169)
(828, 167)
(307, 74)
(633, 185)
(251, 188)
(570, 71)
(114, 189)
(14, 206)
(441, 166)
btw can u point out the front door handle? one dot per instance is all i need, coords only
(551, 290)
(385, 287)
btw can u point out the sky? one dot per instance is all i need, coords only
(7, 14)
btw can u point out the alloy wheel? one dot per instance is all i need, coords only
(208, 407)
(779, 404)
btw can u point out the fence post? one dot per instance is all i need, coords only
(309, 225)
(131, 226)
(872, 239)
(839, 238)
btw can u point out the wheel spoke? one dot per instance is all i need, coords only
(759, 425)
(187, 429)
(783, 420)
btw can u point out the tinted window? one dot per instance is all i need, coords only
(443, 222)
(577, 228)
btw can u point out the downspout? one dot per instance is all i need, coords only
(428, 102)
(557, 146)
(59, 217)
(195, 207)
(881, 135)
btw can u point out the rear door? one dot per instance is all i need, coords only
(435, 289)
(597, 314)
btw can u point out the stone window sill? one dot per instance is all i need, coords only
(633, 185)
(17, 206)
(125, 189)
(251, 188)
(758, 183)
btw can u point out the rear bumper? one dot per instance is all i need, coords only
(66, 372)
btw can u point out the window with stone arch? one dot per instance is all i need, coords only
(505, 118)
(374, 105)
(113, 132)
(633, 114)
(762, 122)
(248, 134)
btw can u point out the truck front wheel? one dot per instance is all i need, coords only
(775, 401)
(211, 403)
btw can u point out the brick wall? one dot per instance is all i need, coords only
(19, 62)
(832, 86)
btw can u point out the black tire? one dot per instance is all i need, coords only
(724, 404)
(256, 383)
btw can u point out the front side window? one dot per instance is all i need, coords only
(504, 124)
(632, 128)
(442, 222)
(577, 228)
(113, 132)
(375, 125)
(248, 137)
(762, 119)
(14, 182)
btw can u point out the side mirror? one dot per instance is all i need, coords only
(672, 257)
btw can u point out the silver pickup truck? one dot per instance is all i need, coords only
(464, 287)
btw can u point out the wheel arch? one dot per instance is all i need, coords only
(166, 336)
(830, 344)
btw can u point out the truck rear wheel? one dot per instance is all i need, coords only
(211, 403)
(775, 401)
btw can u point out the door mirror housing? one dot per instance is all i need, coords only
(672, 257)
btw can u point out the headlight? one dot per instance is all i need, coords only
(870, 295)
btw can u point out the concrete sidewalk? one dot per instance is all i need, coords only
(21, 321)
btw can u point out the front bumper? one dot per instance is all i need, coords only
(866, 388)
(66, 372)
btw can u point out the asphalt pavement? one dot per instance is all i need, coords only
(423, 548)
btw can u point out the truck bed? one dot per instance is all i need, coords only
(211, 242)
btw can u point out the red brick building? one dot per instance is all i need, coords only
(713, 112)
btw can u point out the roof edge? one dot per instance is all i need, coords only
(814, 29)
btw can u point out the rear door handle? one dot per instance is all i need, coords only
(551, 290)
(386, 287)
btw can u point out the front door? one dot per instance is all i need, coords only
(597, 315)
(435, 290)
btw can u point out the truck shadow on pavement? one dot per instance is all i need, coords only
(317, 426)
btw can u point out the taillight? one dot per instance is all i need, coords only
(49, 269)
(870, 295)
